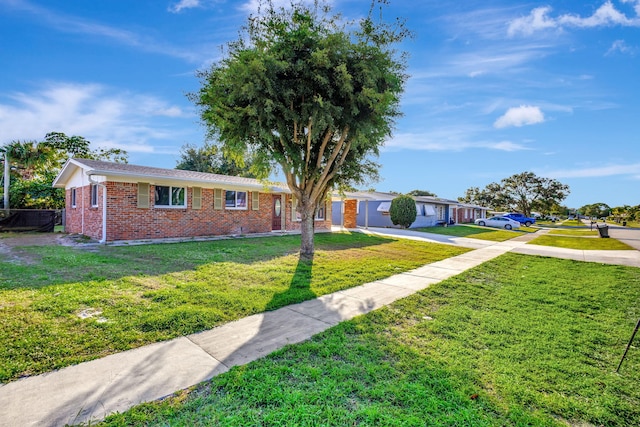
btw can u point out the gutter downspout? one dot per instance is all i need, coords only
(366, 214)
(6, 181)
(104, 206)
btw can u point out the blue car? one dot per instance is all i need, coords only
(521, 218)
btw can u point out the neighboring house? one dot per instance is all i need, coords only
(117, 201)
(372, 209)
(469, 213)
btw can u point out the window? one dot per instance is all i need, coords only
(383, 208)
(169, 196)
(235, 199)
(294, 210)
(73, 197)
(94, 195)
(320, 213)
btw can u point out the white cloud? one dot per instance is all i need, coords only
(77, 25)
(134, 122)
(520, 116)
(537, 20)
(620, 46)
(447, 139)
(184, 4)
(632, 170)
(606, 15)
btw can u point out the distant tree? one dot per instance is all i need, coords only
(209, 159)
(36, 164)
(597, 210)
(421, 193)
(403, 211)
(475, 196)
(78, 146)
(310, 93)
(620, 213)
(522, 192)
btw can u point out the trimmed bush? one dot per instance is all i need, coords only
(403, 211)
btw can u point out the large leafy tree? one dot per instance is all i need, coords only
(209, 158)
(485, 197)
(77, 146)
(309, 93)
(35, 164)
(523, 192)
(596, 210)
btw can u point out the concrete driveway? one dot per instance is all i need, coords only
(630, 236)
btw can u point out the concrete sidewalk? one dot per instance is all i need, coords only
(629, 258)
(91, 390)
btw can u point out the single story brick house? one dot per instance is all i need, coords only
(117, 201)
(371, 209)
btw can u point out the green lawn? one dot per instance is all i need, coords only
(131, 296)
(584, 243)
(575, 232)
(476, 232)
(573, 223)
(517, 341)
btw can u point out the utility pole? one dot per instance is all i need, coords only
(6, 181)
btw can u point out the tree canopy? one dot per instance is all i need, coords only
(524, 192)
(597, 210)
(209, 158)
(35, 164)
(309, 93)
(422, 193)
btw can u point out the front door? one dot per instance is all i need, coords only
(276, 221)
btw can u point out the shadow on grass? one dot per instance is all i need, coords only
(286, 322)
(300, 288)
(232, 345)
(34, 267)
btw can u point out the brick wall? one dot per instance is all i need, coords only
(84, 219)
(350, 213)
(291, 224)
(125, 221)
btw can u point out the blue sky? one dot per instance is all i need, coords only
(496, 88)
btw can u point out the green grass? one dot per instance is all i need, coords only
(573, 223)
(142, 294)
(574, 232)
(584, 243)
(476, 232)
(517, 341)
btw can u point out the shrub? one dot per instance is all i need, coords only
(403, 211)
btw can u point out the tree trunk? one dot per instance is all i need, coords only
(307, 229)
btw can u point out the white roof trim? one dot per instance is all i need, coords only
(134, 173)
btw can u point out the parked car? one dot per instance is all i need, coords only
(521, 218)
(499, 222)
